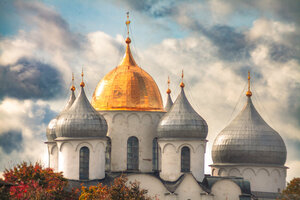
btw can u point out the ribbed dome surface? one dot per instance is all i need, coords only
(182, 121)
(249, 139)
(81, 120)
(50, 130)
(127, 87)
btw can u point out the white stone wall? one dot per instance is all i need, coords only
(262, 178)
(225, 190)
(188, 188)
(124, 124)
(171, 158)
(68, 154)
(53, 156)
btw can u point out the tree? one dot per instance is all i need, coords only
(292, 191)
(36, 182)
(119, 190)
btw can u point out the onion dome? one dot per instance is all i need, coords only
(182, 121)
(50, 130)
(127, 87)
(81, 120)
(249, 139)
(169, 103)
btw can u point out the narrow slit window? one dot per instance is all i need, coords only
(185, 159)
(132, 153)
(84, 161)
(108, 155)
(155, 155)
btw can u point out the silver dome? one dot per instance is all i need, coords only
(249, 139)
(81, 120)
(182, 121)
(169, 103)
(50, 130)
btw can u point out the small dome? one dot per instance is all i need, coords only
(50, 130)
(249, 139)
(182, 121)
(81, 120)
(169, 103)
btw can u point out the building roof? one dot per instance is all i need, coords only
(249, 139)
(50, 130)
(127, 87)
(81, 120)
(182, 121)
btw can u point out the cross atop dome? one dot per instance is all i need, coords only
(249, 93)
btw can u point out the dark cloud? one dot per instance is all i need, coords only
(153, 8)
(11, 140)
(281, 53)
(231, 44)
(287, 10)
(30, 79)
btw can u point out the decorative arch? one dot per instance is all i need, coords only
(166, 145)
(84, 163)
(132, 153)
(263, 169)
(63, 144)
(52, 148)
(276, 171)
(248, 169)
(146, 117)
(226, 189)
(234, 172)
(185, 159)
(222, 172)
(118, 116)
(85, 143)
(183, 145)
(213, 172)
(133, 115)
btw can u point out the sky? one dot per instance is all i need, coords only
(215, 42)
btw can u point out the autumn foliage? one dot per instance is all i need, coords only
(119, 190)
(35, 182)
(292, 191)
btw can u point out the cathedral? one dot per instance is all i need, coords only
(125, 129)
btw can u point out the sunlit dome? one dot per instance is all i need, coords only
(127, 87)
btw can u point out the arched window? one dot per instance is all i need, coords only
(133, 153)
(185, 159)
(108, 155)
(154, 155)
(84, 160)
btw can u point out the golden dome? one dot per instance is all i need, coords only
(127, 87)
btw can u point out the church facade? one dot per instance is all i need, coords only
(126, 130)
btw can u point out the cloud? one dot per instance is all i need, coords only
(22, 134)
(30, 79)
(11, 140)
(153, 8)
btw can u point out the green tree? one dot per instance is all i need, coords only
(35, 182)
(292, 191)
